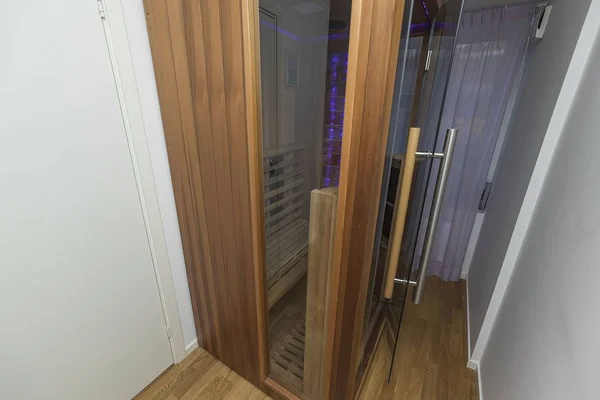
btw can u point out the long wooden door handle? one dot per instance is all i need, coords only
(400, 210)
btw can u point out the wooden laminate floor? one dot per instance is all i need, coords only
(432, 353)
(200, 377)
(430, 360)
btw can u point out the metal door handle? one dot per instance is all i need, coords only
(434, 215)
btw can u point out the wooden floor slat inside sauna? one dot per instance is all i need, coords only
(287, 356)
(286, 337)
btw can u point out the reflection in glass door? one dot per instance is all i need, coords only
(304, 60)
(410, 176)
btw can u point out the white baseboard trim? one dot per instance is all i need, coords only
(479, 382)
(191, 347)
(471, 363)
(474, 365)
(466, 278)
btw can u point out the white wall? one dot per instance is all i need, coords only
(137, 33)
(545, 343)
(81, 313)
(551, 77)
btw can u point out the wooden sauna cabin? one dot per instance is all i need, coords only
(253, 97)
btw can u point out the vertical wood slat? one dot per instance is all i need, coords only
(215, 151)
(374, 43)
(323, 210)
(235, 82)
(199, 65)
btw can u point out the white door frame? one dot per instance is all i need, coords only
(131, 108)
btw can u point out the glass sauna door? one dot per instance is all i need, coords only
(304, 60)
(412, 181)
(409, 54)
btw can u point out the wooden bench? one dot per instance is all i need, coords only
(286, 225)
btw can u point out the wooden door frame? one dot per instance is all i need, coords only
(251, 45)
(187, 114)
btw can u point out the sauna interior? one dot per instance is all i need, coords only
(303, 57)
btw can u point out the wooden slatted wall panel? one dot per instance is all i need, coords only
(199, 65)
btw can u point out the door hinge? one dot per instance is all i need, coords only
(169, 332)
(485, 195)
(428, 61)
(101, 8)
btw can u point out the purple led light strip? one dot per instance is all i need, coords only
(426, 10)
(338, 65)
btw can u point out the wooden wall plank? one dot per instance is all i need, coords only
(238, 130)
(218, 155)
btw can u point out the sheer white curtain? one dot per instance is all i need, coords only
(489, 54)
